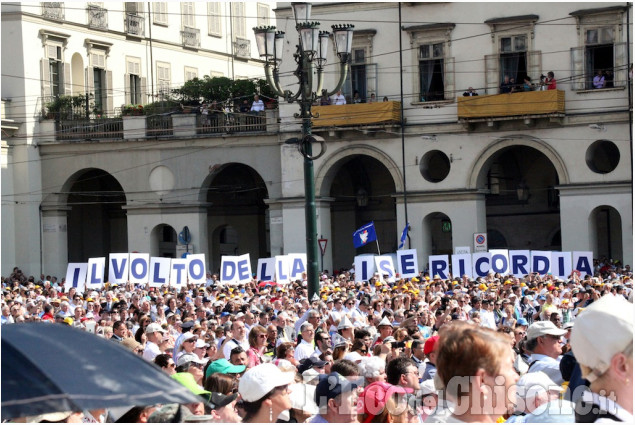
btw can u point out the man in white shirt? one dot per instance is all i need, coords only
(543, 341)
(487, 315)
(338, 99)
(258, 105)
(154, 336)
(305, 348)
(238, 333)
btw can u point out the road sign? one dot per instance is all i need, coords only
(323, 243)
(480, 242)
(185, 237)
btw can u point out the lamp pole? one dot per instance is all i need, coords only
(311, 53)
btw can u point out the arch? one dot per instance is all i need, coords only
(328, 169)
(496, 239)
(163, 241)
(481, 164)
(77, 74)
(436, 241)
(97, 222)
(605, 224)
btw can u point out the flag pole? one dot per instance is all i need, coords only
(377, 241)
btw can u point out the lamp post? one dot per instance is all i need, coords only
(311, 52)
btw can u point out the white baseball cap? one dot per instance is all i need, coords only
(533, 383)
(260, 380)
(543, 328)
(154, 327)
(601, 331)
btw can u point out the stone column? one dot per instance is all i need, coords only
(54, 240)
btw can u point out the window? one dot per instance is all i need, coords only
(187, 15)
(98, 77)
(600, 48)
(433, 60)
(134, 83)
(160, 12)
(239, 22)
(55, 74)
(190, 73)
(363, 75)
(163, 78)
(263, 14)
(431, 85)
(54, 54)
(512, 38)
(214, 19)
(134, 8)
(214, 74)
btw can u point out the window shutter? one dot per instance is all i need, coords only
(448, 78)
(491, 74)
(109, 93)
(534, 65)
(68, 89)
(577, 68)
(371, 80)
(98, 60)
(46, 79)
(620, 65)
(263, 14)
(144, 83)
(90, 80)
(238, 15)
(126, 88)
(214, 21)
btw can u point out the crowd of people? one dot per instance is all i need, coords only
(494, 349)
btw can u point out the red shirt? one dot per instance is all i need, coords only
(551, 84)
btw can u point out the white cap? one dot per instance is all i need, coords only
(533, 383)
(154, 327)
(339, 341)
(303, 398)
(353, 356)
(385, 322)
(602, 330)
(345, 323)
(543, 328)
(190, 358)
(260, 380)
(427, 387)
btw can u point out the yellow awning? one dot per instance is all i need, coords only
(356, 114)
(512, 104)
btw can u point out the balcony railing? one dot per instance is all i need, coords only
(53, 10)
(521, 104)
(242, 48)
(97, 17)
(159, 125)
(357, 114)
(102, 128)
(134, 25)
(191, 37)
(220, 122)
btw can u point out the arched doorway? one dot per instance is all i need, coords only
(437, 234)
(163, 241)
(77, 72)
(363, 190)
(97, 223)
(605, 225)
(522, 204)
(237, 215)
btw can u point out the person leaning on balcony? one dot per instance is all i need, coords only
(527, 86)
(470, 92)
(599, 81)
(373, 98)
(257, 105)
(338, 99)
(324, 99)
(550, 81)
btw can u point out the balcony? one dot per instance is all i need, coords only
(53, 10)
(356, 114)
(134, 25)
(89, 129)
(97, 17)
(191, 37)
(524, 105)
(242, 48)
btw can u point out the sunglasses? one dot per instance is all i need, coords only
(190, 340)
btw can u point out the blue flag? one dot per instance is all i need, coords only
(404, 235)
(364, 234)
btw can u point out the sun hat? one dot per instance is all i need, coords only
(543, 328)
(260, 380)
(190, 358)
(154, 327)
(601, 331)
(345, 323)
(188, 381)
(531, 384)
(224, 366)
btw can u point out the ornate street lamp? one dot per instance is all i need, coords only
(311, 52)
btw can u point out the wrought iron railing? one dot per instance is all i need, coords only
(219, 122)
(191, 37)
(82, 129)
(159, 125)
(242, 48)
(97, 17)
(134, 25)
(53, 10)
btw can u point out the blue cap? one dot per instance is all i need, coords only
(522, 322)
(542, 297)
(330, 386)
(224, 313)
